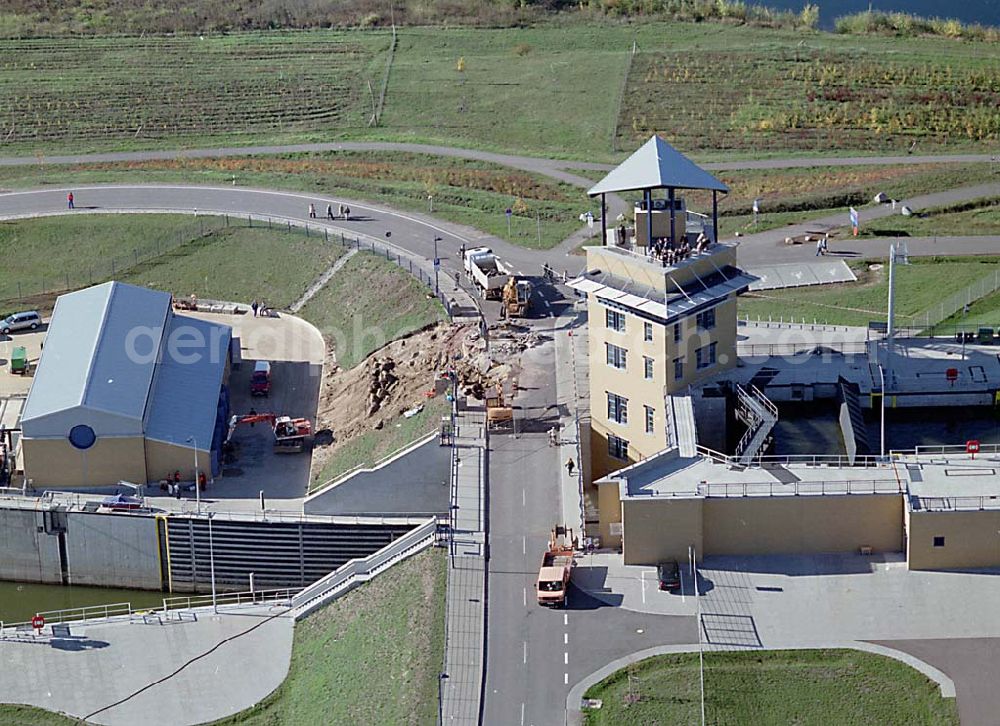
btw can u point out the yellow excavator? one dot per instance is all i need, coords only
(516, 298)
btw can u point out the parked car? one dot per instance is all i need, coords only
(669, 575)
(28, 320)
(121, 503)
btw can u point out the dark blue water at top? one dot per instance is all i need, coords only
(982, 12)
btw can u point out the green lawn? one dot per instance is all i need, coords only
(31, 716)
(984, 312)
(167, 252)
(806, 688)
(357, 319)
(919, 286)
(550, 88)
(370, 657)
(241, 264)
(973, 217)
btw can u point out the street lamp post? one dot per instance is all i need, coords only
(437, 265)
(197, 489)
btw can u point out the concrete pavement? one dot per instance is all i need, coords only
(193, 670)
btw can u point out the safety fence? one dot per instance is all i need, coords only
(953, 504)
(800, 488)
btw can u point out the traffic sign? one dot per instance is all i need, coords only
(972, 447)
(508, 211)
(437, 262)
(38, 622)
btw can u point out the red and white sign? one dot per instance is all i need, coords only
(972, 447)
(38, 622)
(951, 374)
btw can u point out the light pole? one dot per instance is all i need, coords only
(881, 375)
(197, 489)
(693, 558)
(211, 561)
(437, 265)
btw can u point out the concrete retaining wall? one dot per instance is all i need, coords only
(112, 550)
(27, 554)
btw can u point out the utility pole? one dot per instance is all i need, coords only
(437, 265)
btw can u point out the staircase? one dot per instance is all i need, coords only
(759, 415)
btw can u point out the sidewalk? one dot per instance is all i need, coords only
(465, 626)
(103, 663)
(572, 395)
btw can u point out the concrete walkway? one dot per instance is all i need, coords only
(171, 674)
(462, 682)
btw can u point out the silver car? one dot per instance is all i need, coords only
(29, 320)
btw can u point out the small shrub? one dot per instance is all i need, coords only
(522, 49)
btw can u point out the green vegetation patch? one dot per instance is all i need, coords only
(370, 657)
(177, 253)
(920, 286)
(143, 91)
(803, 687)
(984, 312)
(31, 716)
(972, 217)
(358, 319)
(373, 446)
(241, 264)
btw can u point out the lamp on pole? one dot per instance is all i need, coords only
(437, 265)
(197, 489)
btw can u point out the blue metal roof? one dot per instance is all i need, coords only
(99, 356)
(185, 392)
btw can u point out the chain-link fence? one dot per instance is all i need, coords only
(956, 302)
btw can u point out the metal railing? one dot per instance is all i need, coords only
(833, 460)
(231, 599)
(954, 504)
(90, 613)
(364, 568)
(800, 488)
(946, 450)
(842, 347)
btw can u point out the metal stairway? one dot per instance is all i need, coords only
(760, 415)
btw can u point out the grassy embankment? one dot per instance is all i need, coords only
(919, 286)
(388, 632)
(355, 319)
(473, 193)
(806, 687)
(972, 217)
(165, 251)
(500, 88)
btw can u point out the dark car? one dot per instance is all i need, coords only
(669, 575)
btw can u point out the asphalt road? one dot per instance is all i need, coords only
(534, 654)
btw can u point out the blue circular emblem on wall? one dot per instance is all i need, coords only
(82, 436)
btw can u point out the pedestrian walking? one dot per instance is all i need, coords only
(347, 212)
(553, 436)
(254, 306)
(826, 244)
(69, 201)
(329, 211)
(262, 308)
(819, 247)
(312, 211)
(340, 211)
(570, 466)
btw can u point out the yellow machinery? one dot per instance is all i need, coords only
(499, 415)
(516, 298)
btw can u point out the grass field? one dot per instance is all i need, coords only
(167, 252)
(984, 312)
(467, 192)
(357, 319)
(806, 688)
(373, 446)
(370, 657)
(973, 217)
(30, 716)
(919, 286)
(551, 89)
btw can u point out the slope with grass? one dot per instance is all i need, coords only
(804, 687)
(919, 286)
(176, 253)
(369, 302)
(370, 657)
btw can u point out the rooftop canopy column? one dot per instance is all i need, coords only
(715, 216)
(673, 218)
(647, 196)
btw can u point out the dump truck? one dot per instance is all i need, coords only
(557, 565)
(488, 273)
(516, 298)
(290, 434)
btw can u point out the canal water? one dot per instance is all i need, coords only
(980, 12)
(19, 601)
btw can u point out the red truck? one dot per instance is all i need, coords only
(260, 381)
(556, 568)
